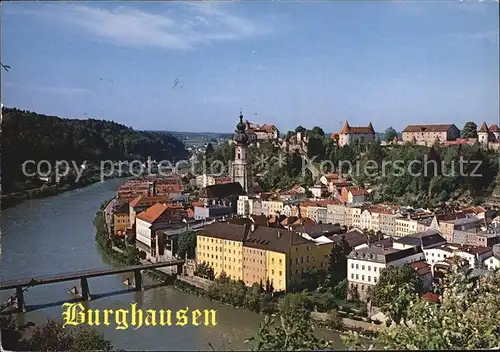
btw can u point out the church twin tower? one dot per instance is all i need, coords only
(240, 170)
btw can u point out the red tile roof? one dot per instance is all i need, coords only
(347, 129)
(494, 128)
(154, 212)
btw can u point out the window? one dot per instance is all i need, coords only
(369, 279)
(369, 268)
(352, 265)
(363, 277)
(362, 267)
(352, 276)
(272, 261)
(357, 266)
(301, 260)
(374, 279)
(296, 260)
(272, 272)
(280, 261)
(357, 276)
(374, 268)
(280, 273)
(308, 259)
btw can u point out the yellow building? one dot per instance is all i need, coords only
(221, 246)
(121, 217)
(275, 207)
(256, 254)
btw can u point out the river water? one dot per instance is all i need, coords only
(56, 235)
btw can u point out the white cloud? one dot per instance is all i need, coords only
(183, 26)
(50, 89)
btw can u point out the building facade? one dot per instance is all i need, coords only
(240, 171)
(356, 135)
(429, 134)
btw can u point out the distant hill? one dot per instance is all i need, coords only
(31, 136)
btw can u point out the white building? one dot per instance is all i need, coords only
(356, 135)
(365, 263)
(156, 217)
(244, 206)
(492, 263)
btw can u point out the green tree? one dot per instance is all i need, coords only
(187, 245)
(317, 131)
(300, 129)
(52, 336)
(337, 261)
(334, 320)
(389, 134)
(395, 289)
(469, 130)
(292, 330)
(466, 318)
(210, 149)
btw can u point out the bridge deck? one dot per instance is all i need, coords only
(42, 280)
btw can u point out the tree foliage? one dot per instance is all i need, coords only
(337, 261)
(205, 271)
(389, 134)
(395, 289)
(292, 330)
(187, 245)
(469, 130)
(31, 136)
(52, 336)
(466, 318)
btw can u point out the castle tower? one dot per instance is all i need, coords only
(240, 170)
(483, 134)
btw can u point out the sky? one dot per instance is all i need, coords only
(191, 66)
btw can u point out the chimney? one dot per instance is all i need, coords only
(252, 227)
(279, 234)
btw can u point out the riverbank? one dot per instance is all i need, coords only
(10, 200)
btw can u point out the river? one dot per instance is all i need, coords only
(56, 235)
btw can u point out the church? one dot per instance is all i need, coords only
(240, 171)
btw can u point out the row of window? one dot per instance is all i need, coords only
(363, 267)
(363, 278)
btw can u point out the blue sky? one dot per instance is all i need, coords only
(309, 63)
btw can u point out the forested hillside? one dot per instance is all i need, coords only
(30, 136)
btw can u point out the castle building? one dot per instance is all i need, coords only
(240, 171)
(429, 134)
(356, 135)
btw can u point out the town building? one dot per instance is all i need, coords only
(141, 203)
(356, 135)
(157, 217)
(121, 218)
(205, 180)
(221, 210)
(352, 195)
(240, 171)
(319, 190)
(489, 136)
(493, 262)
(365, 263)
(263, 132)
(258, 253)
(425, 240)
(429, 134)
(171, 185)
